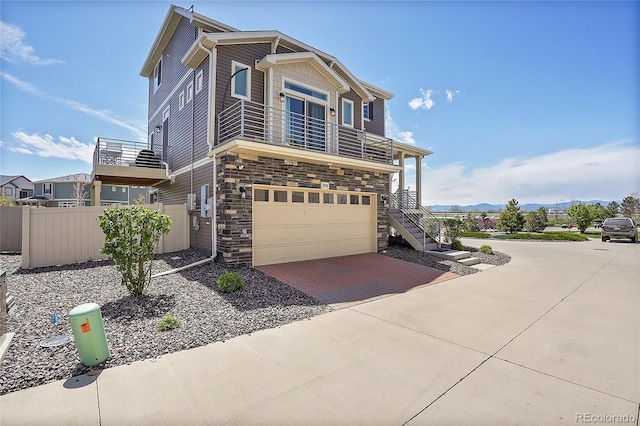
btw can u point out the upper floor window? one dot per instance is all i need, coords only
(240, 81)
(157, 75)
(367, 111)
(181, 100)
(165, 113)
(189, 92)
(46, 188)
(199, 81)
(347, 112)
(8, 192)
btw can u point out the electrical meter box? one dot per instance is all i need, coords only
(204, 194)
(191, 201)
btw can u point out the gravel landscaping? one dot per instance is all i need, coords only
(206, 314)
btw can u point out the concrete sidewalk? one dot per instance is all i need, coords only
(550, 338)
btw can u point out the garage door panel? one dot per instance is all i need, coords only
(287, 232)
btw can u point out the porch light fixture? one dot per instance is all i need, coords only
(332, 111)
(281, 94)
(158, 128)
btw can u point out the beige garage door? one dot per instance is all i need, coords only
(303, 224)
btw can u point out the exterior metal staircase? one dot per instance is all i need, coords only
(416, 224)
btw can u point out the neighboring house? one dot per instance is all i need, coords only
(15, 187)
(277, 148)
(62, 191)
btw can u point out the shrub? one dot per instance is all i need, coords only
(168, 322)
(454, 228)
(511, 219)
(230, 282)
(456, 245)
(486, 248)
(131, 239)
(583, 215)
(471, 223)
(536, 222)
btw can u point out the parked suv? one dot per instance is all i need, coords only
(619, 227)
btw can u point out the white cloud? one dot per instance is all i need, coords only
(47, 146)
(406, 137)
(13, 47)
(451, 94)
(75, 105)
(606, 172)
(424, 101)
(394, 132)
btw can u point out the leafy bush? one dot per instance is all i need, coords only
(456, 245)
(230, 282)
(454, 228)
(511, 219)
(131, 239)
(536, 221)
(471, 223)
(6, 201)
(583, 215)
(476, 235)
(168, 322)
(486, 248)
(545, 236)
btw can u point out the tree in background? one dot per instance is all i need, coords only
(543, 214)
(79, 194)
(536, 221)
(6, 201)
(471, 223)
(511, 219)
(600, 211)
(631, 206)
(612, 209)
(583, 215)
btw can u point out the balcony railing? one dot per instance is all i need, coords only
(257, 122)
(116, 152)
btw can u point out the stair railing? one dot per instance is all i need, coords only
(405, 203)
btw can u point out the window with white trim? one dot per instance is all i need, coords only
(8, 191)
(181, 100)
(241, 81)
(347, 112)
(199, 81)
(165, 113)
(367, 111)
(46, 188)
(157, 75)
(189, 92)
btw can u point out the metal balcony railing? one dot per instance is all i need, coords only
(257, 122)
(117, 152)
(414, 217)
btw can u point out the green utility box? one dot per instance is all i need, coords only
(88, 332)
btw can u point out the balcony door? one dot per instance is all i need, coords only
(306, 114)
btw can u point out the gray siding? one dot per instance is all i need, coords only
(357, 108)
(134, 193)
(63, 190)
(376, 126)
(107, 194)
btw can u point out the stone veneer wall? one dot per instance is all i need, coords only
(234, 213)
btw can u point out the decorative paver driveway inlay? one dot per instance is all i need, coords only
(347, 280)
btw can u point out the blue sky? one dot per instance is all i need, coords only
(536, 101)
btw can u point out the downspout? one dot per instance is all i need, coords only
(210, 122)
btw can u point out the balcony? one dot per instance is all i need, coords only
(121, 162)
(250, 121)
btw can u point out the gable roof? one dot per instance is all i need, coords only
(169, 25)
(84, 177)
(6, 179)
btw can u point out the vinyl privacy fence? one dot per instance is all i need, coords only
(62, 236)
(10, 229)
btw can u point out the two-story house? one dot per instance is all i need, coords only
(15, 187)
(277, 148)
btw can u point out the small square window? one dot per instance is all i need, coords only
(199, 81)
(354, 199)
(113, 189)
(181, 100)
(261, 194)
(314, 197)
(189, 92)
(124, 189)
(280, 196)
(297, 197)
(366, 200)
(342, 198)
(8, 192)
(327, 198)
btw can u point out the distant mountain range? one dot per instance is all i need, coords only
(485, 207)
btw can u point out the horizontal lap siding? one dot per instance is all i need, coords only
(201, 148)
(376, 126)
(357, 108)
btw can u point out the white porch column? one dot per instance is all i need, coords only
(419, 180)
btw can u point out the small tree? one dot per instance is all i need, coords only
(612, 209)
(454, 229)
(543, 214)
(471, 223)
(131, 239)
(535, 222)
(6, 201)
(583, 215)
(631, 206)
(511, 219)
(79, 193)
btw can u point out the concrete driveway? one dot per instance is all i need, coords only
(550, 338)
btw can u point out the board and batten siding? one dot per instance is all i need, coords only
(62, 236)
